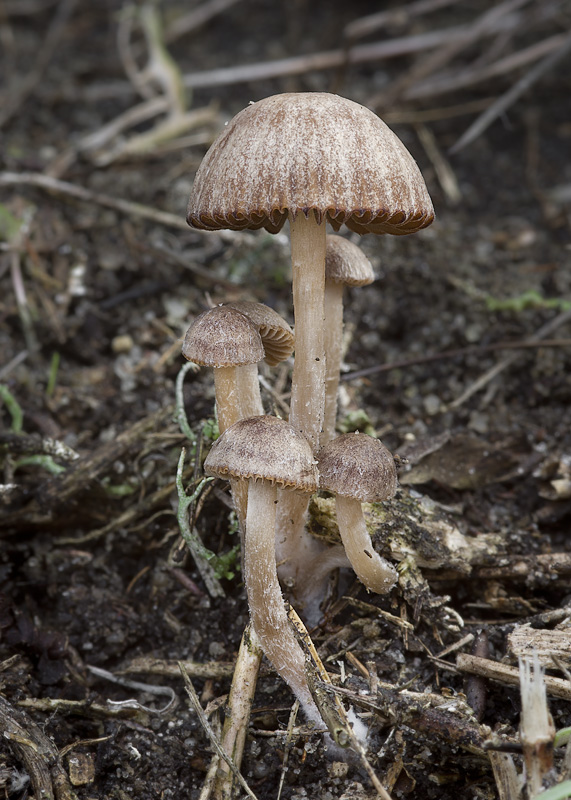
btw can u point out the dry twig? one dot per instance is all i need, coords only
(509, 98)
(195, 701)
(483, 380)
(503, 673)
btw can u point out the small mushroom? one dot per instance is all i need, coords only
(267, 453)
(359, 469)
(345, 265)
(228, 341)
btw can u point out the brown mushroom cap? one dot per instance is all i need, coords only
(356, 465)
(277, 336)
(346, 263)
(304, 152)
(223, 337)
(265, 448)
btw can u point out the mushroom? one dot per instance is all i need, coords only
(312, 158)
(266, 453)
(225, 339)
(359, 469)
(345, 265)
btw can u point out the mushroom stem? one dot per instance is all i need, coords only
(227, 397)
(294, 546)
(308, 270)
(236, 399)
(267, 609)
(377, 574)
(249, 391)
(333, 312)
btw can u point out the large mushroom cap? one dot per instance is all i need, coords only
(346, 263)
(265, 448)
(309, 151)
(223, 337)
(356, 465)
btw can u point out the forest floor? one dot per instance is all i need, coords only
(465, 334)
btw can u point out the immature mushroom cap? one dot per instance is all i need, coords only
(346, 263)
(308, 151)
(264, 448)
(277, 336)
(268, 453)
(223, 337)
(358, 468)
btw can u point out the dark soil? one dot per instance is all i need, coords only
(92, 573)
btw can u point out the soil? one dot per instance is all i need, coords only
(94, 301)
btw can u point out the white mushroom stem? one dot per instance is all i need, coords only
(267, 608)
(308, 379)
(375, 572)
(249, 391)
(308, 275)
(333, 310)
(237, 394)
(227, 397)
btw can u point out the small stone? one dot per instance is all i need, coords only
(122, 344)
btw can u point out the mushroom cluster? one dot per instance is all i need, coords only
(310, 159)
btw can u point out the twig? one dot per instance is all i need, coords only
(502, 673)
(487, 23)
(484, 379)
(148, 665)
(13, 363)
(442, 168)
(451, 83)
(182, 260)
(195, 19)
(194, 699)
(399, 15)
(360, 54)
(507, 780)
(549, 565)
(127, 207)
(25, 86)
(80, 193)
(238, 709)
(506, 100)
(455, 353)
(287, 748)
